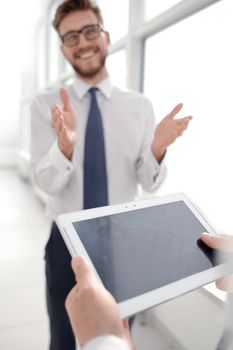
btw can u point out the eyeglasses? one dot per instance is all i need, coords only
(90, 32)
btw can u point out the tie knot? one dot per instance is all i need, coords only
(92, 91)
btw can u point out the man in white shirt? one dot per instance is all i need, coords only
(132, 148)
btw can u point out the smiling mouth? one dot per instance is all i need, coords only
(86, 55)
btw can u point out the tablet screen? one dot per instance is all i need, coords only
(138, 251)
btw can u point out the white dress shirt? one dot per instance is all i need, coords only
(128, 122)
(108, 342)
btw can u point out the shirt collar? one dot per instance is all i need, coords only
(81, 87)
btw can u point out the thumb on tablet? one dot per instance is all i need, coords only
(84, 274)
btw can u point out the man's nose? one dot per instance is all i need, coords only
(82, 39)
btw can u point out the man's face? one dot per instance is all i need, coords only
(87, 57)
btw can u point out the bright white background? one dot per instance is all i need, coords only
(191, 62)
(17, 24)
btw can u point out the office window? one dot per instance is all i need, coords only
(40, 57)
(115, 16)
(191, 62)
(25, 126)
(155, 8)
(116, 64)
(53, 56)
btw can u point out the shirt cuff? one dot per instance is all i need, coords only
(150, 159)
(153, 165)
(59, 160)
(106, 342)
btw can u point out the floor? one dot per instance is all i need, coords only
(23, 235)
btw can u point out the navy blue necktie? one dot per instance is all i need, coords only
(95, 173)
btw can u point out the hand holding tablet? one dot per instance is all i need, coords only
(88, 303)
(145, 252)
(225, 244)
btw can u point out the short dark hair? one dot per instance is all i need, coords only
(69, 6)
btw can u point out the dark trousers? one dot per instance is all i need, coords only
(59, 281)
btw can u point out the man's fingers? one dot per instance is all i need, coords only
(184, 120)
(56, 109)
(183, 126)
(125, 323)
(83, 272)
(175, 110)
(212, 241)
(56, 112)
(65, 99)
(59, 122)
(225, 283)
(218, 242)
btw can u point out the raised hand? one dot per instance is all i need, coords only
(167, 132)
(64, 124)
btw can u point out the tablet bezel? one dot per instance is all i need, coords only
(144, 301)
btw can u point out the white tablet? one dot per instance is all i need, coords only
(145, 252)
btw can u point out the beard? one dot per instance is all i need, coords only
(91, 72)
